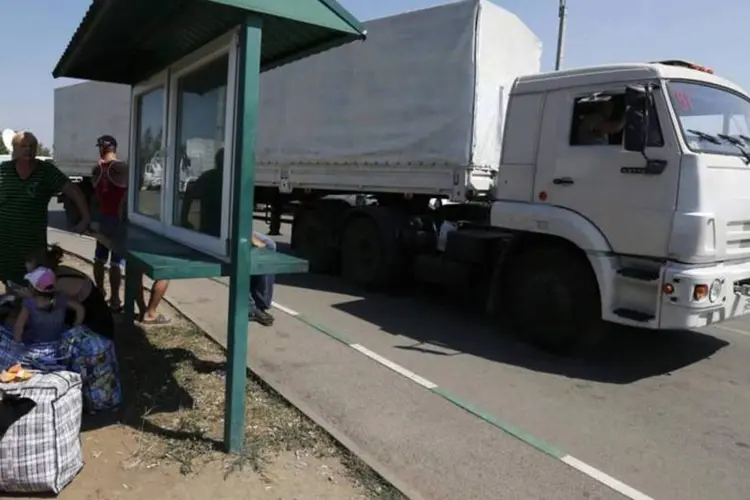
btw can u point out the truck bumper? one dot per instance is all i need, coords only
(729, 294)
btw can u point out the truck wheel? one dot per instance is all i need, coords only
(553, 300)
(311, 242)
(363, 254)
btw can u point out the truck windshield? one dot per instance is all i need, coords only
(712, 120)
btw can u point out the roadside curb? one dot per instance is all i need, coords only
(378, 467)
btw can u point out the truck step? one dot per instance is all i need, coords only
(634, 315)
(638, 274)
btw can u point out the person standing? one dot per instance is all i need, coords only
(207, 189)
(27, 185)
(110, 180)
(261, 286)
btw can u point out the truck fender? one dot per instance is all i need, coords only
(562, 226)
(550, 220)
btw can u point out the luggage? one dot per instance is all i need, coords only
(40, 451)
(11, 351)
(93, 357)
(43, 356)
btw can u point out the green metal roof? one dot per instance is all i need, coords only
(127, 41)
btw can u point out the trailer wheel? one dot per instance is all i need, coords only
(364, 259)
(553, 300)
(310, 240)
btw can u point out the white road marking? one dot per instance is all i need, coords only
(604, 478)
(290, 312)
(393, 366)
(730, 329)
(570, 460)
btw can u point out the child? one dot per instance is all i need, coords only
(42, 316)
(77, 287)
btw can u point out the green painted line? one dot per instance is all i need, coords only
(483, 415)
(324, 330)
(504, 426)
(499, 423)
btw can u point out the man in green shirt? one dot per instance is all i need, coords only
(26, 187)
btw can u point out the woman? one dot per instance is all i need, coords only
(26, 187)
(78, 287)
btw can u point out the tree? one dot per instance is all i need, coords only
(43, 150)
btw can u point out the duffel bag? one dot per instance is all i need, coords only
(93, 357)
(40, 450)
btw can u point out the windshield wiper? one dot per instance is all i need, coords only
(739, 145)
(706, 137)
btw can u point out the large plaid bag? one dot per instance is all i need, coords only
(93, 357)
(41, 451)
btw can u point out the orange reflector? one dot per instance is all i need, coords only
(668, 289)
(700, 292)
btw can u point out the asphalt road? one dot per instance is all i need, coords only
(665, 413)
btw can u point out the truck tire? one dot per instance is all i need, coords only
(364, 256)
(553, 300)
(311, 240)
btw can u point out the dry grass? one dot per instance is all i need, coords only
(173, 380)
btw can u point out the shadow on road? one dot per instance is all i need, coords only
(441, 325)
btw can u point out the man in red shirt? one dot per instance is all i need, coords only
(110, 180)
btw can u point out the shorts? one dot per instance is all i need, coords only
(103, 254)
(109, 227)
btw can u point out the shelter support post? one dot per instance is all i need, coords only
(239, 240)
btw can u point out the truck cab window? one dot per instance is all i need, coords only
(601, 121)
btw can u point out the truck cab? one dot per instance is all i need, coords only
(651, 217)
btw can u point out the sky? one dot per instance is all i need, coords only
(36, 32)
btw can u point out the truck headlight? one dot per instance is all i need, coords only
(714, 292)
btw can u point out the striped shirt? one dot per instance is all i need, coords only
(23, 214)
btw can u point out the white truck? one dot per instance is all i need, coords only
(612, 193)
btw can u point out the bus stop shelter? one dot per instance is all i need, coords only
(194, 68)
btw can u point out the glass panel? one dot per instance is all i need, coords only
(149, 165)
(201, 98)
(712, 119)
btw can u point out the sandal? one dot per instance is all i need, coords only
(159, 319)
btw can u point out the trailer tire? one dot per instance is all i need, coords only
(311, 240)
(364, 258)
(553, 300)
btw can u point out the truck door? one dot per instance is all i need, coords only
(590, 173)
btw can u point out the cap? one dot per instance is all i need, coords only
(42, 279)
(106, 141)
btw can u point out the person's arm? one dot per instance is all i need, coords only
(58, 181)
(20, 325)
(611, 126)
(74, 193)
(79, 311)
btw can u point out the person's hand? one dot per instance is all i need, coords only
(257, 242)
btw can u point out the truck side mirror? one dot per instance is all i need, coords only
(638, 102)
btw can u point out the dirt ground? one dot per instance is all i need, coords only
(165, 441)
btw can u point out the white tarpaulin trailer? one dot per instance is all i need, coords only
(417, 107)
(83, 112)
